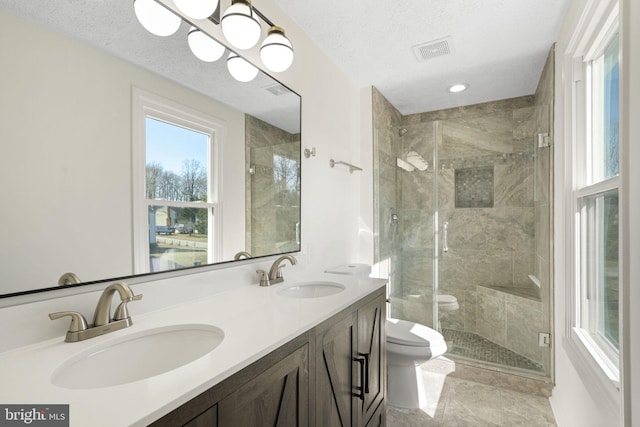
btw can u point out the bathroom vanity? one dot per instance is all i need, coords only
(332, 374)
(283, 356)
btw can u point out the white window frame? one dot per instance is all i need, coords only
(146, 104)
(597, 25)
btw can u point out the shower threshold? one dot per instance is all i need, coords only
(470, 346)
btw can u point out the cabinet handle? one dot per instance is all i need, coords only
(366, 370)
(361, 361)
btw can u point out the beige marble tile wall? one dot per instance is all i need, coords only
(488, 246)
(492, 250)
(272, 205)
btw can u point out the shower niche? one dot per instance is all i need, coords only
(474, 187)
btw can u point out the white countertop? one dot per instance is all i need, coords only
(255, 322)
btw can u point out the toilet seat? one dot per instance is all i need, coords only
(412, 334)
(447, 302)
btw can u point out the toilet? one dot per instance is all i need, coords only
(447, 302)
(409, 345)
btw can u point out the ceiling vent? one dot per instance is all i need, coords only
(433, 49)
(276, 89)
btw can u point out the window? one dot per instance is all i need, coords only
(595, 197)
(176, 197)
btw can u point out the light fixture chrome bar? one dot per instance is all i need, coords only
(352, 168)
(215, 18)
(261, 15)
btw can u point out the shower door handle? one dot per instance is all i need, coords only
(445, 237)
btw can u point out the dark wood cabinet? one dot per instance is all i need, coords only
(351, 367)
(378, 418)
(372, 347)
(332, 375)
(336, 347)
(277, 397)
(273, 391)
(208, 418)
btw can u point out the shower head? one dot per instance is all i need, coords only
(402, 131)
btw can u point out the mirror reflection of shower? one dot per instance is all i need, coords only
(393, 217)
(392, 225)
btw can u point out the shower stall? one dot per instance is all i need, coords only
(272, 197)
(463, 208)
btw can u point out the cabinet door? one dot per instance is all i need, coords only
(372, 347)
(208, 418)
(378, 419)
(277, 397)
(336, 374)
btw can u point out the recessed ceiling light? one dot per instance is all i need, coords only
(458, 87)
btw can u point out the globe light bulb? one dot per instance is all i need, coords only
(204, 47)
(155, 18)
(240, 69)
(276, 51)
(197, 9)
(239, 26)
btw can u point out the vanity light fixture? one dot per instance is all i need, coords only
(276, 51)
(239, 26)
(460, 87)
(155, 18)
(241, 69)
(197, 9)
(204, 47)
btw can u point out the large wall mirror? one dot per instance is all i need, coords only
(71, 71)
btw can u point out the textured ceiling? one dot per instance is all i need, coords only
(111, 26)
(500, 46)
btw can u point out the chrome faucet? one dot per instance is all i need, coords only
(102, 315)
(102, 321)
(241, 255)
(68, 279)
(275, 273)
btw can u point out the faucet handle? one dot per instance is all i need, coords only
(264, 278)
(78, 322)
(122, 312)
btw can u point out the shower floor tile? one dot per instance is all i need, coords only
(472, 346)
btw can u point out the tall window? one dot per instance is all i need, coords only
(596, 189)
(175, 190)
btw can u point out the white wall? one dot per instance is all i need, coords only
(66, 184)
(574, 402)
(331, 198)
(331, 112)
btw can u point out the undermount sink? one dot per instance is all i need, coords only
(138, 356)
(311, 290)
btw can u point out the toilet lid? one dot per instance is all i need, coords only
(411, 334)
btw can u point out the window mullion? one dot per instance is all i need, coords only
(599, 187)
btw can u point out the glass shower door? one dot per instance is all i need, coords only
(409, 162)
(487, 225)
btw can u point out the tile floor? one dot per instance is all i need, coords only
(460, 402)
(473, 346)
